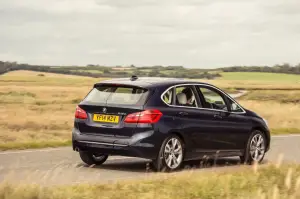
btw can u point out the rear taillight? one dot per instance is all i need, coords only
(147, 116)
(80, 113)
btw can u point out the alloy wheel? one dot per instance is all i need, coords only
(257, 147)
(173, 153)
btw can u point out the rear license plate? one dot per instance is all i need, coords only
(106, 118)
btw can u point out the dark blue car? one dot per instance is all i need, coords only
(167, 121)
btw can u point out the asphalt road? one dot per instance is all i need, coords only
(63, 166)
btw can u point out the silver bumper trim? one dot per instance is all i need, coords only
(102, 143)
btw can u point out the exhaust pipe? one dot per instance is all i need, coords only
(77, 149)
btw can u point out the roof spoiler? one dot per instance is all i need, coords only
(133, 78)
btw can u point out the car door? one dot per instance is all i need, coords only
(186, 114)
(231, 128)
(194, 120)
(237, 124)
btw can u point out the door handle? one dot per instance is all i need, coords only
(218, 116)
(183, 113)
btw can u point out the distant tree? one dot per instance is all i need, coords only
(122, 73)
(154, 73)
(106, 71)
(278, 68)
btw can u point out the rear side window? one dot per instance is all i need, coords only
(185, 96)
(117, 95)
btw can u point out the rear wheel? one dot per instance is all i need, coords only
(255, 149)
(170, 156)
(92, 158)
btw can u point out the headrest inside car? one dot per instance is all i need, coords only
(181, 97)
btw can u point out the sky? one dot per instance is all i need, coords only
(190, 33)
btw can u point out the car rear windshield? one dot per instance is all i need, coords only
(110, 94)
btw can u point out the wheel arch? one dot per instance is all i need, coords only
(177, 133)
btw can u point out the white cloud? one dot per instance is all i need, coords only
(102, 51)
(144, 32)
(58, 6)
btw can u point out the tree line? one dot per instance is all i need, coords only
(103, 71)
(279, 68)
(151, 71)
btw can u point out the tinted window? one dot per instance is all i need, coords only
(213, 99)
(185, 96)
(117, 95)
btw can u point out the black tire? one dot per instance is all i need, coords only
(247, 157)
(90, 159)
(160, 164)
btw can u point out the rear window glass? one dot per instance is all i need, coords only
(117, 95)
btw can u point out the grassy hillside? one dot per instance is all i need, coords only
(244, 182)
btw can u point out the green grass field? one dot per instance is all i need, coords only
(256, 81)
(256, 76)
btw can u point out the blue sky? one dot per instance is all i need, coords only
(192, 33)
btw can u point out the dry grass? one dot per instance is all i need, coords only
(282, 118)
(30, 78)
(257, 182)
(32, 123)
(39, 111)
(282, 96)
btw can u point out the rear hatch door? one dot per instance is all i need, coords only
(108, 105)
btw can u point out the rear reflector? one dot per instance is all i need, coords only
(147, 116)
(80, 113)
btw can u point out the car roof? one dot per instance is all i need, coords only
(149, 82)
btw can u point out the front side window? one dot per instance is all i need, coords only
(212, 99)
(185, 96)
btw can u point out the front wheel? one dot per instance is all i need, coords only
(170, 156)
(255, 149)
(92, 158)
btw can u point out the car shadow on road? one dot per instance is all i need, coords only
(143, 166)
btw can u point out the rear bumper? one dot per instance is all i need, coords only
(140, 145)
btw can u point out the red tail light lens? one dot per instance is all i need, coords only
(80, 113)
(147, 116)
